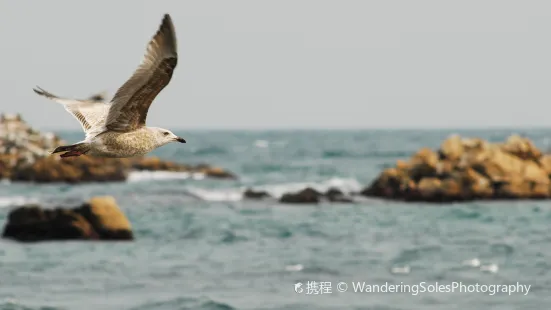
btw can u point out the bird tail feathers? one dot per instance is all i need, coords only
(72, 150)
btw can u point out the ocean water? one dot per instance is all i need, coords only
(199, 245)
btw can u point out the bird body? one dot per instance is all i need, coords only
(127, 144)
(117, 129)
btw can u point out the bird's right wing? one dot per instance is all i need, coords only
(132, 100)
(91, 114)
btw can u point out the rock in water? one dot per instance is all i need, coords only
(307, 195)
(107, 219)
(98, 219)
(468, 169)
(252, 194)
(336, 195)
(32, 223)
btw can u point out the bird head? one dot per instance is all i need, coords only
(165, 136)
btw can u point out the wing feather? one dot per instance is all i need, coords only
(132, 100)
(91, 114)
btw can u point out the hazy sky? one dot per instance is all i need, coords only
(290, 64)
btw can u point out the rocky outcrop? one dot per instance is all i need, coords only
(336, 195)
(312, 196)
(468, 169)
(21, 145)
(98, 219)
(213, 172)
(307, 195)
(252, 194)
(25, 156)
(75, 170)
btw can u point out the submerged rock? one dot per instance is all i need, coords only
(98, 219)
(307, 195)
(468, 169)
(336, 195)
(252, 194)
(312, 196)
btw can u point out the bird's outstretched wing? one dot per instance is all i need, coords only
(132, 100)
(91, 114)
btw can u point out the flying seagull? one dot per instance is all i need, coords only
(117, 129)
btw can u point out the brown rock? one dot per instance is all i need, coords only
(452, 190)
(470, 144)
(545, 163)
(31, 223)
(156, 164)
(70, 170)
(466, 169)
(305, 196)
(477, 186)
(252, 194)
(429, 187)
(423, 164)
(391, 183)
(107, 219)
(522, 148)
(336, 195)
(217, 172)
(540, 191)
(99, 219)
(452, 148)
(514, 188)
(402, 165)
(501, 166)
(445, 168)
(535, 173)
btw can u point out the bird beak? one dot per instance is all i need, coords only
(181, 140)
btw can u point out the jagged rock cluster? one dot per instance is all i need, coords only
(468, 169)
(25, 156)
(21, 145)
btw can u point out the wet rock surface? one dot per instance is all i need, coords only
(305, 196)
(312, 196)
(98, 219)
(253, 194)
(25, 156)
(464, 169)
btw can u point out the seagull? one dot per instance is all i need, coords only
(117, 129)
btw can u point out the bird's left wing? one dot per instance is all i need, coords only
(91, 114)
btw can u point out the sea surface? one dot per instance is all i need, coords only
(199, 245)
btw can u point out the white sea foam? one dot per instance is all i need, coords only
(261, 143)
(140, 176)
(475, 262)
(491, 268)
(215, 195)
(12, 201)
(347, 186)
(400, 269)
(297, 267)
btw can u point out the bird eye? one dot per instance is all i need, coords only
(165, 133)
